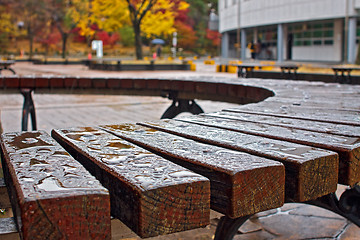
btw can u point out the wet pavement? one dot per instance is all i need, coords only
(292, 221)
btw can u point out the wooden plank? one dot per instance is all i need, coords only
(241, 184)
(348, 148)
(52, 195)
(289, 111)
(151, 195)
(346, 103)
(305, 166)
(314, 126)
(8, 228)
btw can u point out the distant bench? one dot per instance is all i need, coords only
(5, 65)
(247, 69)
(164, 176)
(152, 65)
(343, 73)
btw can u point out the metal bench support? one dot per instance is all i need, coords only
(180, 106)
(347, 206)
(228, 227)
(245, 72)
(28, 108)
(289, 72)
(7, 68)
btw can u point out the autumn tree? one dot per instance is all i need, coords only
(147, 17)
(31, 13)
(6, 26)
(48, 38)
(198, 18)
(58, 11)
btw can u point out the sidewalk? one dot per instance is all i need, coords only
(293, 221)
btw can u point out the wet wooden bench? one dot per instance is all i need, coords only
(153, 196)
(295, 147)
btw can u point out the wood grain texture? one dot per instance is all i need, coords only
(306, 167)
(309, 125)
(151, 195)
(241, 184)
(52, 195)
(317, 114)
(347, 147)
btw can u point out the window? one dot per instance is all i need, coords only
(313, 34)
(268, 36)
(358, 31)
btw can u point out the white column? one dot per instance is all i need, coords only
(280, 43)
(243, 44)
(225, 45)
(351, 51)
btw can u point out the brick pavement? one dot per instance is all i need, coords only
(293, 221)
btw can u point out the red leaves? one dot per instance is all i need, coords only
(108, 39)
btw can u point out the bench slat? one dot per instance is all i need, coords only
(52, 195)
(8, 227)
(328, 115)
(315, 126)
(348, 148)
(346, 103)
(305, 166)
(151, 195)
(241, 184)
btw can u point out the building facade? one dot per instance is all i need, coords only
(299, 30)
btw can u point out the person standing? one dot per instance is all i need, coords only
(251, 46)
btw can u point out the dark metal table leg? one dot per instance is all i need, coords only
(28, 108)
(228, 227)
(182, 105)
(347, 206)
(348, 77)
(242, 72)
(179, 105)
(7, 68)
(11, 70)
(239, 73)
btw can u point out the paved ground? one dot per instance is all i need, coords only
(293, 221)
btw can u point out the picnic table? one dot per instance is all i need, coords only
(5, 65)
(247, 69)
(164, 176)
(343, 73)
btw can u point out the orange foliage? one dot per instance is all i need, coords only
(186, 35)
(214, 36)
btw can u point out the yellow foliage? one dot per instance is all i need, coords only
(80, 13)
(112, 15)
(160, 20)
(6, 26)
(85, 13)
